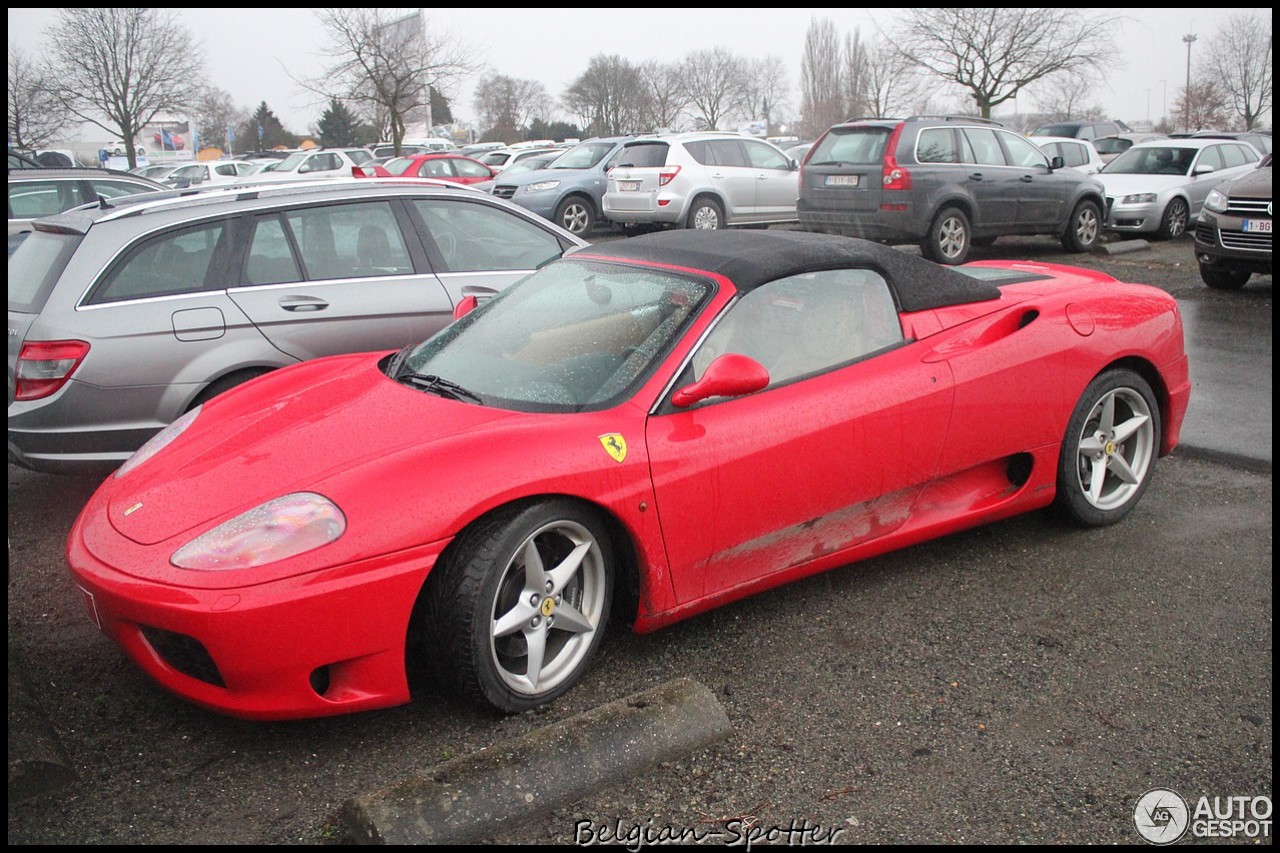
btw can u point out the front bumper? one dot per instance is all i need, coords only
(323, 643)
(1221, 240)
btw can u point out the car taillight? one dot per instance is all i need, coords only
(667, 174)
(45, 366)
(894, 177)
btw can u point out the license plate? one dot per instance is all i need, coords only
(842, 180)
(628, 186)
(90, 607)
(1257, 226)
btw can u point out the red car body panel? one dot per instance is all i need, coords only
(714, 502)
(411, 169)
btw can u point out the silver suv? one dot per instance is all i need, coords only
(703, 180)
(124, 316)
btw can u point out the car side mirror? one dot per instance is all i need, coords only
(1203, 169)
(1057, 162)
(729, 375)
(465, 306)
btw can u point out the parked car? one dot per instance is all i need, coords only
(1078, 154)
(444, 166)
(1088, 129)
(1259, 139)
(157, 172)
(1233, 231)
(315, 163)
(123, 317)
(209, 172)
(34, 193)
(501, 158)
(387, 150)
(797, 151)
(1111, 147)
(570, 189)
(946, 183)
(704, 180)
(1158, 187)
(296, 547)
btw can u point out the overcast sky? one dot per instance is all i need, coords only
(250, 53)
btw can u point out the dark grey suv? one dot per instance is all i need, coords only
(946, 183)
(1233, 233)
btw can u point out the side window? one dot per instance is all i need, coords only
(1233, 155)
(349, 240)
(271, 259)
(982, 147)
(699, 151)
(467, 169)
(225, 169)
(30, 199)
(472, 237)
(764, 157)
(168, 265)
(937, 145)
(1211, 156)
(435, 169)
(727, 152)
(1023, 152)
(114, 189)
(807, 324)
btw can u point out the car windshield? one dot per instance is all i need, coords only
(1111, 145)
(1152, 160)
(529, 164)
(574, 336)
(1068, 129)
(582, 156)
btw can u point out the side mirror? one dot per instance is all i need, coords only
(1056, 162)
(465, 306)
(729, 375)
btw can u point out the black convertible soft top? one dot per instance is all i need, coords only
(751, 258)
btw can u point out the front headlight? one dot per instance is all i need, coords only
(541, 186)
(1216, 201)
(1139, 198)
(158, 442)
(276, 530)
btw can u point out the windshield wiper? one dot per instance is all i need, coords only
(393, 366)
(443, 387)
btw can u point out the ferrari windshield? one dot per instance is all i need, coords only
(576, 335)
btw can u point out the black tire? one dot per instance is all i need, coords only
(224, 384)
(1084, 228)
(1223, 278)
(576, 214)
(705, 215)
(491, 602)
(949, 239)
(1109, 450)
(1173, 224)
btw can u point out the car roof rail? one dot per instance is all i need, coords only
(977, 119)
(870, 118)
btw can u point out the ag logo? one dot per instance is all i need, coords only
(615, 445)
(1161, 816)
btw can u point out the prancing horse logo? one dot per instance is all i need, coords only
(615, 445)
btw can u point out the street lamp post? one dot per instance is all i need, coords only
(1164, 101)
(1148, 106)
(1189, 39)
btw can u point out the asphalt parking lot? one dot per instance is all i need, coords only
(1018, 683)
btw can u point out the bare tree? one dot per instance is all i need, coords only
(35, 118)
(214, 114)
(764, 90)
(1205, 106)
(1063, 96)
(506, 103)
(387, 65)
(607, 98)
(664, 95)
(118, 68)
(854, 76)
(821, 92)
(1239, 62)
(891, 82)
(714, 82)
(994, 53)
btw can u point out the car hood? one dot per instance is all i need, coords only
(1255, 184)
(292, 430)
(1125, 184)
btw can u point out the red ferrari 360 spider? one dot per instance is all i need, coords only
(647, 428)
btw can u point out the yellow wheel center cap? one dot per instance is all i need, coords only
(548, 606)
(1110, 448)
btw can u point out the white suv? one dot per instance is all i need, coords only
(702, 180)
(314, 163)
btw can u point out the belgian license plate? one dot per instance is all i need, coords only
(842, 180)
(1257, 226)
(628, 186)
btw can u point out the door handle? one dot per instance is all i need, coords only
(1026, 179)
(303, 304)
(975, 176)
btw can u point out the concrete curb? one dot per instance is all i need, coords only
(38, 764)
(462, 801)
(1123, 247)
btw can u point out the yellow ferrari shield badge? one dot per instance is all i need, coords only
(615, 445)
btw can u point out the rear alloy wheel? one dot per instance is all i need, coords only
(706, 215)
(522, 605)
(575, 215)
(949, 238)
(1174, 222)
(1223, 278)
(1109, 450)
(1083, 229)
